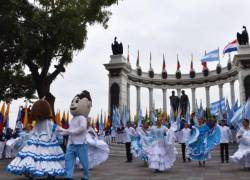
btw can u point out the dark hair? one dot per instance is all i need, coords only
(246, 120)
(84, 94)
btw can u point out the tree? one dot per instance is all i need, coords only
(43, 34)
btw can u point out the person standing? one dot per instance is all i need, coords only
(226, 136)
(127, 140)
(184, 137)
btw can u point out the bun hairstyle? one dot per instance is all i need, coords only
(84, 94)
(41, 110)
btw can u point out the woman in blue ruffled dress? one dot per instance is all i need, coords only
(242, 155)
(204, 138)
(41, 155)
(160, 148)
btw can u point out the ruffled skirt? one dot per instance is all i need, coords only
(242, 155)
(137, 149)
(161, 155)
(39, 157)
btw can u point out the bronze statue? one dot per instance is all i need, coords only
(117, 48)
(243, 37)
(174, 102)
(184, 101)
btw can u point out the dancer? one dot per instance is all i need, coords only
(226, 137)
(41, 155)
(77, 131)
(161, 149)
(98, 150)
(242, 155)
(203, 140)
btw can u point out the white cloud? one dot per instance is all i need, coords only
(170, 27)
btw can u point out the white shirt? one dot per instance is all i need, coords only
(226, 134)
(185, 135)
(77, 130)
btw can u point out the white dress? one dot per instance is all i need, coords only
(41, 155)
(161, 148)
(98, 150)
(242, 155)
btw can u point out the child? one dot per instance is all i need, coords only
(41, 155)
(242, 155)
(184, 137)
(226, 136)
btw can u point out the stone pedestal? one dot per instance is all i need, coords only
(242, 61)
(118, 81)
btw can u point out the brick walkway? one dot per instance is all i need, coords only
(117, 169)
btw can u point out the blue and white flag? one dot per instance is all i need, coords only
(211, 56)
(217, 106)
(140, 118)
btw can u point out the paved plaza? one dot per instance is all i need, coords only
(117, 169)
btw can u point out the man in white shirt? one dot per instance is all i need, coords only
(226, 136)
(184, 137)
(127, 141)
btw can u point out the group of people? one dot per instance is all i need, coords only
(155, 144)
(39, 152)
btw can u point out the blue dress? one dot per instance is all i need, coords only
(202, 142)
(41, 155)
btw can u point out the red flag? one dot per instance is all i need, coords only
(163, 64)
(178, 65)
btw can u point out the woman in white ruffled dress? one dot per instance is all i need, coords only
(41, 155)
(161, 149)
(98, 150)
(242, 155)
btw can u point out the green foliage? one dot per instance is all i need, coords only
(41, 33)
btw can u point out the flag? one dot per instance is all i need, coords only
(140, 118)
(163, 64)
(97, 124)
(235, 106)
(25, 117)
(19, 124)
(153, 118)
(1, 121)
(217, 106)
(128, 55)
(178, 63)
(211, 56)
(101, 126)
(229, 113)
(191, 65)
(3, 110)
(230, 47)
(58, 118)
(6, 116)
(150, 59)
(138, 61)
(64, 122)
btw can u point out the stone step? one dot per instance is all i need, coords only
(118, 150)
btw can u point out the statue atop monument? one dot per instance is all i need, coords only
(117, 48)
(184, 101)
(174, 102)
(242, 38)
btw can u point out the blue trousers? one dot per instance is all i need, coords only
(80, 151)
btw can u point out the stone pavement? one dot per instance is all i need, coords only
(115, 168)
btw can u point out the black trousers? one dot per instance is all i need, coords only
(128, 151)
(183, 150)
(224, 148)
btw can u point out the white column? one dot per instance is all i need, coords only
(207, 96)
(150, 99)
(164, 91)
(193, 99)
(232, 93)
(138, 98)
(128, 97)
(220, 91)
(179, 92)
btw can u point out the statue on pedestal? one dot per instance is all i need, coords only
(174, 102)
(242, 38)
(184, 101)
(117, 48)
